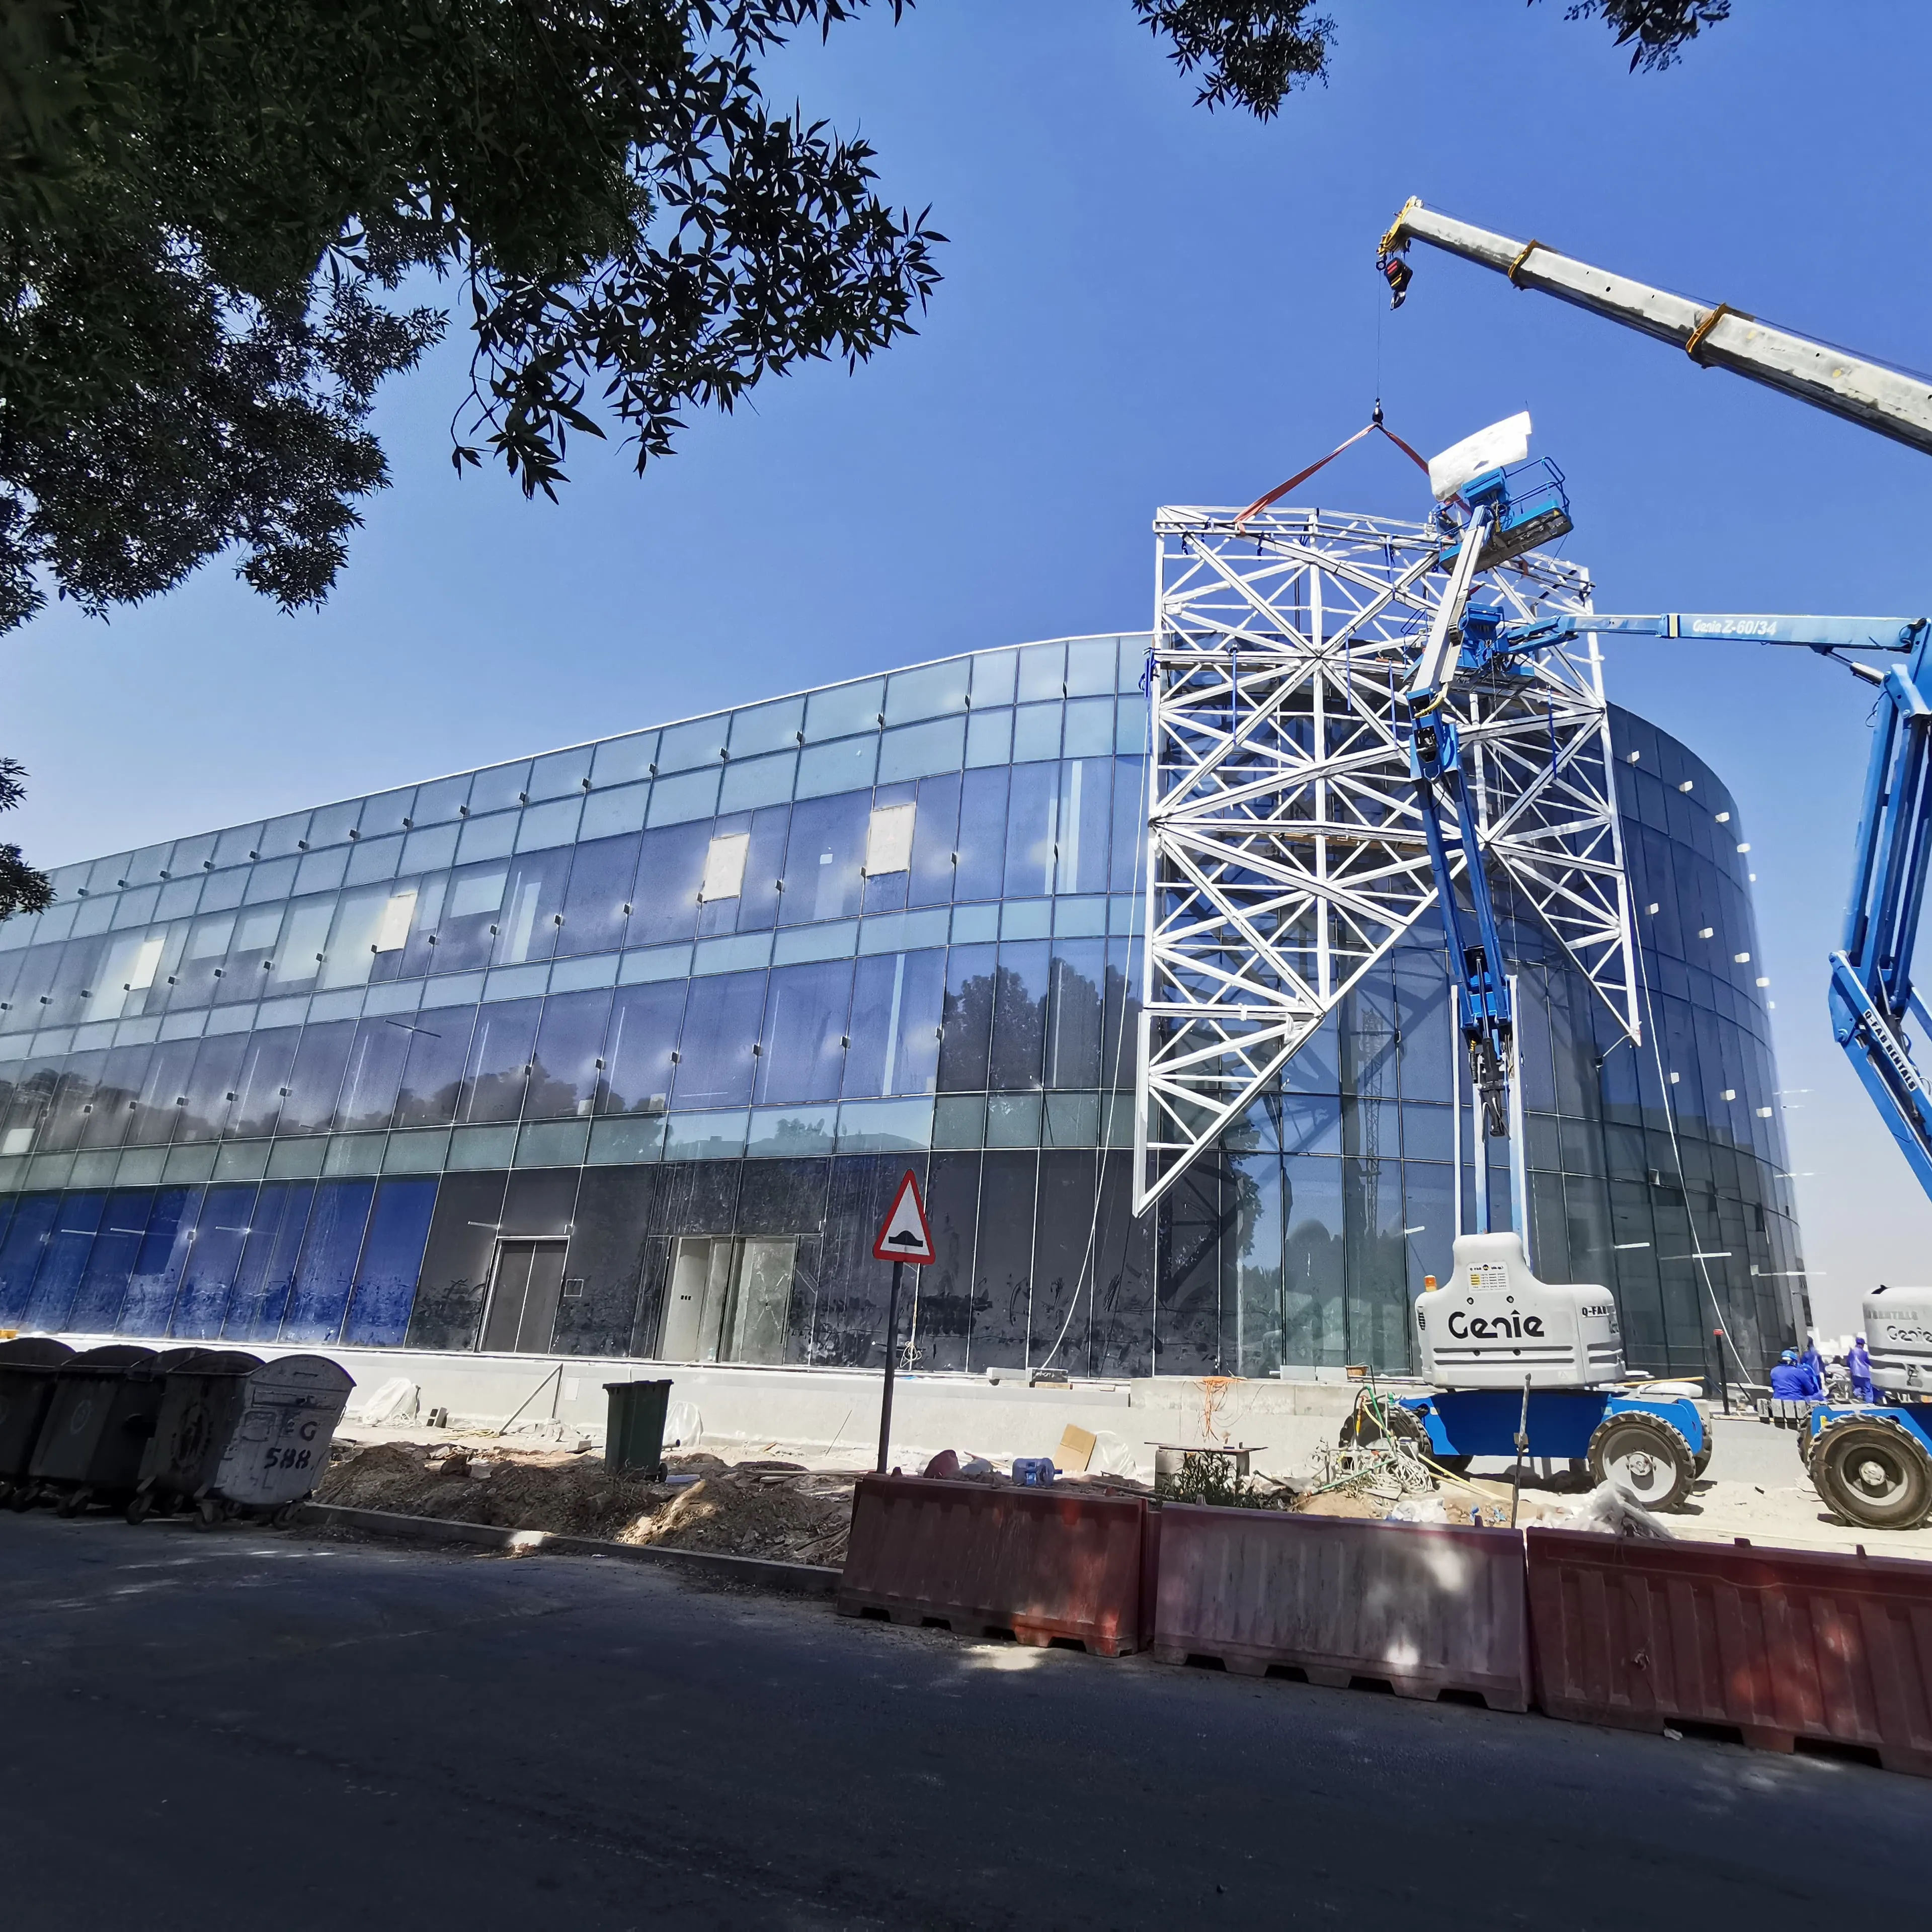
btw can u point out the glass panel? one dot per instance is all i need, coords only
(282, 837)
(567, 1075)
(822, 875)
(158, 1262)
(799, 1129)
(432, 1073)
(896, 1010)
(385, 1285)
(498, 1068)
(532, 903)
(359, 919)
(843, 708)
(929, 692)
(619, 761)
(993, 677)
(671, 861)
(915, 750)
(1126, 872)
(33, 1221)
(1074, 1013)
(315, 1078)
(1089, 728)
(1042, 671)
(327, 1269)
(884, 1127)
(989, 738)
(1002, 1263)
(1081, 825)
(491, 838)
(751, 782)
(597, 904)
(472, 909)
(1019, 1016)
(544, 826)
(96, 1307)
(607, 813)
(333, 823)
(499, 788)
(847, 764)
(684, 748)
(644, 1032)
(63, 1260)
(758, 893)
(803, 1046)
(692, 795)
(1090, 666)
(114, 1098)
(1036, 732)
(266, 1274)
(1031, 818)
(935, 834)
(431, 849)
(211, 1087)
(559, 774)
(374, 1070)
(968, 1018)
(720, 1027)
(766, 727)
(73, 1103)
(164, 1093)
(214, 1261)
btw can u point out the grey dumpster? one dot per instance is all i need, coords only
(634, 1438)
(203, 1398)
(27, 1368)
(279, 1445)
(96, 1428)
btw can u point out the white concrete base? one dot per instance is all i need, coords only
(832, 1414)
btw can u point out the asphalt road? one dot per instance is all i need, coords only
(239, 1729)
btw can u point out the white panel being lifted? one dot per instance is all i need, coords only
(1492, 1325)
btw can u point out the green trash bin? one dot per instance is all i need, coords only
(634, 1440)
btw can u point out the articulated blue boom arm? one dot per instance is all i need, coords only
(1871, 992)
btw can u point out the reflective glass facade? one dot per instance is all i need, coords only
(622, 1051)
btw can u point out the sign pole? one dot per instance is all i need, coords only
(892, 1350)
(905, 1239)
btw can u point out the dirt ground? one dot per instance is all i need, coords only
(775, 1510)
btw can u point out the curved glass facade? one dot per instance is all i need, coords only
(622, 1050)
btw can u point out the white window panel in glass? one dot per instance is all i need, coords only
(724, 865)
(393, 931)
(889, 840)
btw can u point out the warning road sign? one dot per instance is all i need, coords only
(905, 1236)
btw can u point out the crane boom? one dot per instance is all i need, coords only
(1891, 401)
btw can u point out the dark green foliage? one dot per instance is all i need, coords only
(1252, 52)
(208, 206)
(22, 889)
(1656, 31)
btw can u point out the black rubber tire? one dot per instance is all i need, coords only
(1625, 1433)
(140, 1505)
(23, 1496)
(73, 1502)
(1873, 1474)
(1702, 1460)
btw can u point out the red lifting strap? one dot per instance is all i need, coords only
(1281, 490)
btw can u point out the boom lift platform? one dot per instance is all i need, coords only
(1873, 1463)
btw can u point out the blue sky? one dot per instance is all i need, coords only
(1148, 303)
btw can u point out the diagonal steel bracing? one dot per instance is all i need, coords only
(1286, 844)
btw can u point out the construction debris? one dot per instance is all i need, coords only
(777, 1510)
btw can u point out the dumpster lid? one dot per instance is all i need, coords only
(209, 1362)
(33, 1352)
(316, 1371)
(114, 1355)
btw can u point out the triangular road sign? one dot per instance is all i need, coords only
(905, 1236)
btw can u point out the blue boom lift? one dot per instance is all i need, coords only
(1872, 1463)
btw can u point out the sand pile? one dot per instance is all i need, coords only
(778, 1510)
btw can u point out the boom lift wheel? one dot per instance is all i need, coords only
(1873, 1474)
(1645, 1457)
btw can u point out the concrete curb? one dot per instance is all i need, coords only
(757, 1573)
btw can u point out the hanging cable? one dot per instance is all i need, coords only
(1281, 490)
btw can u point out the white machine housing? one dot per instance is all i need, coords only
(1492, 1325)
(1898, 1334)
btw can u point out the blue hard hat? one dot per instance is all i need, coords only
(1790, 1355)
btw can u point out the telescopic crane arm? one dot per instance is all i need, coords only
(1872, 994)
(1890, 401)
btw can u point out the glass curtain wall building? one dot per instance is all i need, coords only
(621, 1051)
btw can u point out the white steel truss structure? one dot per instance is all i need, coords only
(1286, 848)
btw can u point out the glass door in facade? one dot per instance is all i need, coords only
(729, 1299)
(525, 1287)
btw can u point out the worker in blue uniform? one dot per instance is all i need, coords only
(1792, 1381)
(1814, 1363)
(1859, 1363)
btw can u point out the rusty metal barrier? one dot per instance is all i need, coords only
(1043, 1564)
(1779, 1646)
(1423, 1609)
